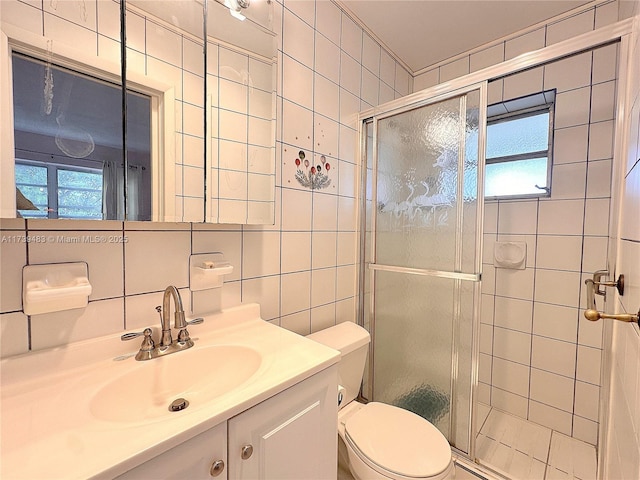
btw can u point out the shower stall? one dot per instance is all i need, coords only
(422, 255)
(457, 338)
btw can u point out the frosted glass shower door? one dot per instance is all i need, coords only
(424, 258)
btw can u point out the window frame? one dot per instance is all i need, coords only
(30, 159)
(548, 107)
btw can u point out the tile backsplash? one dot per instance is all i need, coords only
(302, 270)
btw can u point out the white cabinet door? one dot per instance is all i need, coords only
(192, 460)
(292, 435)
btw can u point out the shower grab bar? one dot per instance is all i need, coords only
(472, 277)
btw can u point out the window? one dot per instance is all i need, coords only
(60, 191)
(518, 154)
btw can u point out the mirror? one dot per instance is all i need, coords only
(195, 150)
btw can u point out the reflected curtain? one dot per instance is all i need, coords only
(113, 191)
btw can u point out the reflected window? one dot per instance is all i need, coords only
(518, 154)
(58, 191)
(68, 145)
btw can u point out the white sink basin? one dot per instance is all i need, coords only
(198, 375)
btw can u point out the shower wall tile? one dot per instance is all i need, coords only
(570, 144)
(517, 217)
(486, 58)
(510, 376)
(589, 364)
(552, 390)
(553, 356)
(525, 43)
(585, 430)
(605, 62)
(523, 83)
(559, 252)
(555, 321)
(551, 417)
(564, 184)
(515, 283)
(570, 27)
(454, 69)
(601, 140)
(561, 217)
(511, 345)
(603, 101)
(599, 179)
(572, 73)
(572, 108)
(557, 287)
(486, 339)
(509, 402)
(426, 79)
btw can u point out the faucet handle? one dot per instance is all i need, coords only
(183, 335)
(147, 342)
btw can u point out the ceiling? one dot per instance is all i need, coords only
(424, 32)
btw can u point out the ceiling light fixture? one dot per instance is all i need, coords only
(235, 7)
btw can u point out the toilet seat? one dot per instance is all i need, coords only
(398, 444)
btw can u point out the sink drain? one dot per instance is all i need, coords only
(178, 404)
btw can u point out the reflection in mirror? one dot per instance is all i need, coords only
(68, 148)
(166, 76)
(165, 42)
(241, 107)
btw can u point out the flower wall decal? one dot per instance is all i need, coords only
(313, 176)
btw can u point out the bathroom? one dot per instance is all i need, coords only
(304, 269)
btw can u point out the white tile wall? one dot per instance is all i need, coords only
(302, 270)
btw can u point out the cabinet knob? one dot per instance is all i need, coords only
(216, 468)
(247, 451)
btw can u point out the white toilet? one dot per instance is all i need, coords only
(382, 441)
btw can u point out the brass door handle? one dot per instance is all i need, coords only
(595, 315)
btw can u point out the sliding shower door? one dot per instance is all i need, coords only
(422, 262)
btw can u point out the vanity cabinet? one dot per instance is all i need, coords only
(291, 435)
(192, 460)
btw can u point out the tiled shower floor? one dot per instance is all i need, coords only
(523, 450)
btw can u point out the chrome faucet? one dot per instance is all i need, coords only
(165, 320)
(148, 349)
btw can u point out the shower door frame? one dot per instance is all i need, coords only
(457, 275)
(621, 32)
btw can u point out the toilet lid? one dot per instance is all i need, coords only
(398, 441)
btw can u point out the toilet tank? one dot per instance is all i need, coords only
(353, 343)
